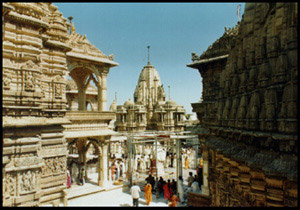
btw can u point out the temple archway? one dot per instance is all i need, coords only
(87, 153)
(83, 77)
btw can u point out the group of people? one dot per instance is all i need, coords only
(81, 176)
(168, 189)
(142, 162)
(117, 168)
(160, 187)
(195, 182)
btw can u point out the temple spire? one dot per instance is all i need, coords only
(148, 55)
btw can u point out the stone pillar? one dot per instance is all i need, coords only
(205, 187)
(100, 178)
(104, 168)
(65, 199)
(178, 158)
(196, 156)
(81, 98)
(103, 91)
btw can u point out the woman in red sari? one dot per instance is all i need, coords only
(166, 191)
(113, 169)
(68, 178)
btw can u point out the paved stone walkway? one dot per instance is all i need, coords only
(114, 198)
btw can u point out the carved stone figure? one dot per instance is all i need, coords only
(57, 90)
(28, 181)
(29, 82)
(6, 81)
(195, 57)
(9, 184)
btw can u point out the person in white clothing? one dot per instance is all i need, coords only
(180, 188)
(147, 161)
(142, 164)
(135, 194)
(195, 187)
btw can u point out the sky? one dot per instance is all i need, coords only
(172, 30)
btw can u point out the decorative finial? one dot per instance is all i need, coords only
(238, 12)
(148, 55)
(169, 93)
(72, 25)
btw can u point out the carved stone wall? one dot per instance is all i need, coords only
(34, 103)
(36, 43)
(250, 109)
(34, 164)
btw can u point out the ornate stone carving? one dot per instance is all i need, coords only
(288, 111)
(48, 168)
(280, 70)
(111, 57)
(244, 81)
(29, 82)
(253, 111)
(195, 57)
(59, 84)
(267, 74)
(161, 95)
(235, 85)
(7, 78)
(242, 110)
(264, 74)
(9, 185)
(226, 112)
(271, 105)
(28, 181)
(54, 165)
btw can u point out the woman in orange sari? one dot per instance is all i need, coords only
(148, 194)
(174, 200)
(186, 163)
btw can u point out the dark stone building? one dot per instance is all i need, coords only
(249, 109)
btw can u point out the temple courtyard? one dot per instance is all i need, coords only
(117, 195)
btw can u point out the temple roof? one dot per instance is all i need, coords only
(218, 50)
(83, 49)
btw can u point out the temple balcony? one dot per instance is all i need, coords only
(88, 123)
(197, 107)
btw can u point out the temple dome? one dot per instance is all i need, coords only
(128, 103)
(171, 103)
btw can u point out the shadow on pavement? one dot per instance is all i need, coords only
(125, 205)
(142, 202)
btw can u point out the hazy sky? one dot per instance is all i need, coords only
(173, 30)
